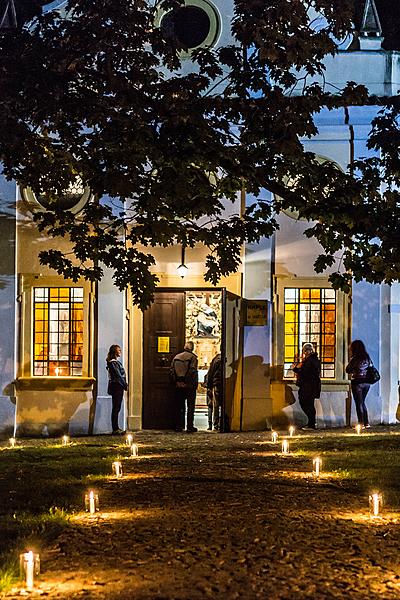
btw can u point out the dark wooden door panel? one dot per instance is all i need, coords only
(164, 319)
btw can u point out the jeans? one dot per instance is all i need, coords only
(182, 396)
(213, 411)
(117, 394)
(360, 391)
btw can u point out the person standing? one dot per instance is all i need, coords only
(117, 384)
(214, 386)
(357, 369)
(184, 375)
(308, 373)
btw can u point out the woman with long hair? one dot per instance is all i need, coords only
(116, 384)
(357, 368)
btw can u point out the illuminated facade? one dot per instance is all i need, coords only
(55, 334)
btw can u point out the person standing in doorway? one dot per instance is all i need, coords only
(214, 386)
(117, 384)
(184, 375)
(308, 373)
(357, 368)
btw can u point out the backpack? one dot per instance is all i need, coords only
(180, 381)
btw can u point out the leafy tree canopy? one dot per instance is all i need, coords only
(101, 95)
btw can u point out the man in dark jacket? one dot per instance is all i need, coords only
(214, 385)
(185, 379)
(309, 382)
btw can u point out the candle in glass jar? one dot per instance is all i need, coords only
(317, 466)
(91, 502)
(291, 431)
(375, 504)
(274, 437)
(65, 440)
(117, 469)
(358, 429)
(129, 439)
(12, 441)
(134, 450)
(285, 447)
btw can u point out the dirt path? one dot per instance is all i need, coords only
(223, 516)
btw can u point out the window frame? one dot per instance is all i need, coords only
(25, 367)
(51, 330)
(307, 302)
(342, 326)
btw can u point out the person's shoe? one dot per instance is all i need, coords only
(118, 432)
(209, 428)
(178, 429)
(366, 426)
(307, 428)
(191, 430)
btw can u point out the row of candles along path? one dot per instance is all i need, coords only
(65, 440)
(30, 561)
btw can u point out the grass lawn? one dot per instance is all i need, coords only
(42, 483)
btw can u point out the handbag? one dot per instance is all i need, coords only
(372, 374)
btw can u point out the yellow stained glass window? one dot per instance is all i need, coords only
(310, 317)
(58, 331)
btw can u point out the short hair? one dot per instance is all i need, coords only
(189, 346)
(308, 347)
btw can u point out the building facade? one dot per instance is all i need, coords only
(55, 333)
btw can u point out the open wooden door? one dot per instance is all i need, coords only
(163, 337)
(231, 352)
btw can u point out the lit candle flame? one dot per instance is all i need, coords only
(134, 450)
(317, 466)
(29, 565)
(285, 447)
(375, 503)
(117, 468)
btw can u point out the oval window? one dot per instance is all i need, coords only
(73, 198)
(193, 25)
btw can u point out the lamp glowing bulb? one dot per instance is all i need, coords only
(182, 270)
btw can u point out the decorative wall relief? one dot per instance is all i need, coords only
(203, 324)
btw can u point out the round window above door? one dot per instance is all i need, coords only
(196, 24)
(73, 199)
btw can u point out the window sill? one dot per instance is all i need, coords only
(54, 383)
(326, 384)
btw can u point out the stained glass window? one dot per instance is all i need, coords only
(310, 316)
(58, 331)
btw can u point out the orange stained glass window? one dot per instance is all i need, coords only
(310, 316)
(58, 331)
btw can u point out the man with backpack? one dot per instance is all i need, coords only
(184, 376)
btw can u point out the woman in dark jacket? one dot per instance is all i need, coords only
(116, 384)
(357, 368)
(309, 381)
